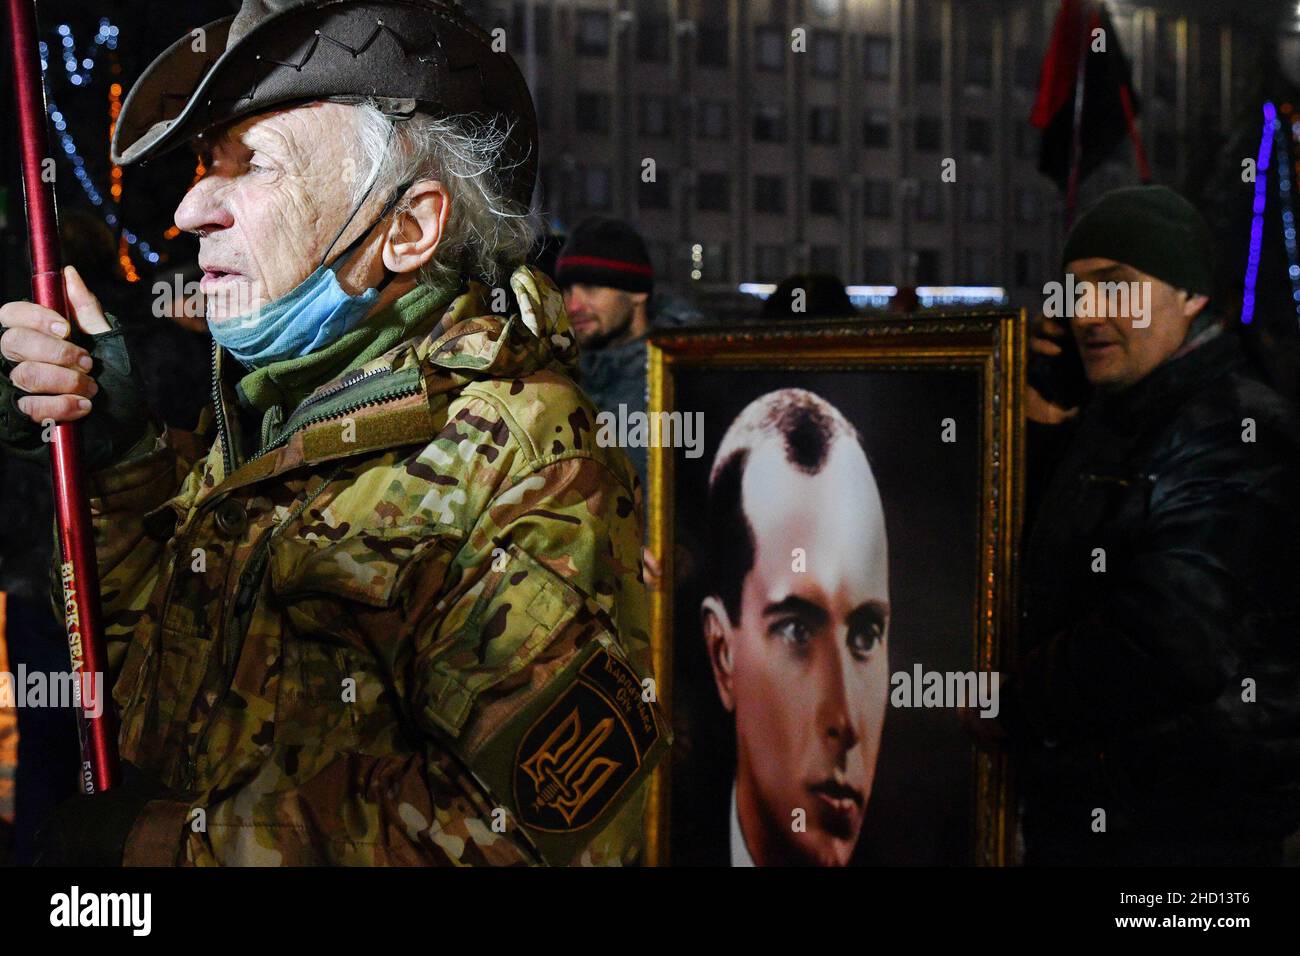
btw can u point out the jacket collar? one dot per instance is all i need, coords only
(400, 397)
(1169, 385)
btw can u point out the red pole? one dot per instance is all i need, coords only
(1076, 140)
(1130, 120)
(80, 573)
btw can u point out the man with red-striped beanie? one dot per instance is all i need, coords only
(606, 275)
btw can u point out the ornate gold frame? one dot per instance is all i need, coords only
(993, 342)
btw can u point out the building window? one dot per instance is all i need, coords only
(824, 125)
(769, 48)
(978, 267)
(877, 266)
(823, 197)
(593, 33)
(652, 33)
(875, 130)
(979, 136)
(979, 69)
(1028, 275)
(711, 46)
(769, 194)
(1166, 59)
(929, 134)
(1026, 206)
(712, 264)
(826, 53)
(769, 263)
(1026, 68)
(979, 203)
(877, 199)
(714, 119)
(653, 115)
(979, 54)
(1166, 149)
(929, 61)
(877, 54)
(542, 105)
(824, 259)
(592, 111)
(593, 187)
(541, 26)
(1026, 141)
(929, 202)
(929, 267)
(713, 192)
(655, 195)
(769, 123)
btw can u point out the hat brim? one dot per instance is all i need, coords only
(403, 51)
(159, 110)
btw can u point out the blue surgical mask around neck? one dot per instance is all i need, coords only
(308, 317)
(314, 313)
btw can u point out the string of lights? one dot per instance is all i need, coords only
(1257, 218)
(1286, 193)
(79, 70)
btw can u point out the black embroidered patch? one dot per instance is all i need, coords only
(584, 749)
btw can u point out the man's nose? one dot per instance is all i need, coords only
(836, 701)
(203, 208)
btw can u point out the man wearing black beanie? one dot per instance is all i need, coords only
(605, 273)
(1155, 706)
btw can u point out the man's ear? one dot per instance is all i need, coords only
(718, 638)
(1193, 305)
(415, 234)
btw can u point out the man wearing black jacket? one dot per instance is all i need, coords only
(1155, 707)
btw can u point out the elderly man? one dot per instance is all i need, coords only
(394, 614)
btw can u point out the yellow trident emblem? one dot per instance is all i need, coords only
(567, 773)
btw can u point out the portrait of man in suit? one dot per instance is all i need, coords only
(796, 626)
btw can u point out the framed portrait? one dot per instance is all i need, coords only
(835, 507)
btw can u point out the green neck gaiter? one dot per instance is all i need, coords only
(281, 386)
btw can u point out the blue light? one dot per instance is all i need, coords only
(64, 29)
(1257, 219)
(1288, 211)
(67, 42)
(75, 79)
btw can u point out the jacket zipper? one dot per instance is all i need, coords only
(402, 392)
(227, 457)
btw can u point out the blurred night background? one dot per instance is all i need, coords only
(766, 162)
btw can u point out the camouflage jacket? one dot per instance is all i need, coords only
(411, 629)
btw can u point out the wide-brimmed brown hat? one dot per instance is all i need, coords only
(409, 55)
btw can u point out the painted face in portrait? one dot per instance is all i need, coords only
(802, 662)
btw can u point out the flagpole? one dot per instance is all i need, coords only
(78, 569)
(1144, 168)
(1076, 140)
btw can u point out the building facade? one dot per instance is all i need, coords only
(751, 139)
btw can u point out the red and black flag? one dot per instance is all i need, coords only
(1078, 136)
